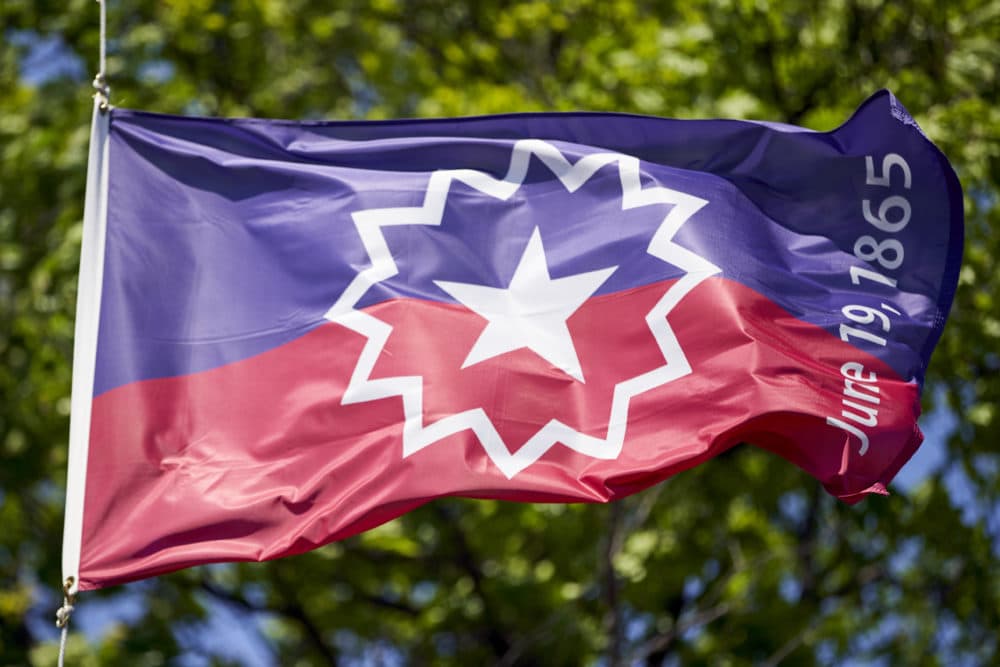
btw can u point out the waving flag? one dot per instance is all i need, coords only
(292, 332)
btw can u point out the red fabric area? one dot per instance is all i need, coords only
(259, 459)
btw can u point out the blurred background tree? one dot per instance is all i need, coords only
(741, 561)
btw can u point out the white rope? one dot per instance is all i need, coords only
(62, 645)
(100, 81)
(102, 63)
(62, 617)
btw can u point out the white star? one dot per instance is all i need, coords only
(531, 312)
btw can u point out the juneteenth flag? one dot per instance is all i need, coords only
(290, 332)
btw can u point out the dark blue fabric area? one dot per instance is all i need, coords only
(229, 237)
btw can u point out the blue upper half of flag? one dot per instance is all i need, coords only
(226, 238)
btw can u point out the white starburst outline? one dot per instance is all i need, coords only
(361, 388)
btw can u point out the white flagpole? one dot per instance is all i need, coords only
(88, 311)
(88, 307)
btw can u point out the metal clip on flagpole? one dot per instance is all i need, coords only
(101, 93)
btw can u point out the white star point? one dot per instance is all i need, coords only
(531, 312)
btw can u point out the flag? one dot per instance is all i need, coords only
(291, 332)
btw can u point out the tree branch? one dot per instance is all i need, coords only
(468, 562)
(796, 641)
(386, 603)
(662, 640)
(226, 595)
(293, 609)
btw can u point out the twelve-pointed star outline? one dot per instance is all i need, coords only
(547, 340)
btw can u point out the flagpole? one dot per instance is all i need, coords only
(88, 304)
(88, 307)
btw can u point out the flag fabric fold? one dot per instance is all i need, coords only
(305, 329)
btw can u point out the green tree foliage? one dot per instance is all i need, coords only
(741, 561)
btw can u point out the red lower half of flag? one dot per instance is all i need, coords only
(260, 458)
